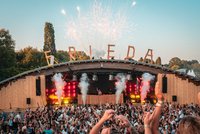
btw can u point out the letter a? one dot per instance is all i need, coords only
(149, 53)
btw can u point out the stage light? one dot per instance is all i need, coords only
(74, 78)
(94, 78)
(129, 77)
(66, 101)
(69, 92)
(52, 96)
(74, 86)
(133, 101)
(111, 77)
(137, 96)
(133, 96)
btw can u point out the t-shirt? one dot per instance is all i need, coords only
(30, 130)
(49, 131)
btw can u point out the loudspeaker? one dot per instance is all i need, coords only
(28, 100)
(164, 84)
(174, 98)
(38, 87)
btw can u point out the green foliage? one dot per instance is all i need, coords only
(62, 56)
(8, 72)
(158, 61)
(141, 59)
(175, 62)
(175, 67)
(12, 63)
(29, 58)
(7, 54)
(7, 46)
(80, 55)
(49, 38)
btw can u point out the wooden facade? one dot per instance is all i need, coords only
(14, 95)
(185, 90)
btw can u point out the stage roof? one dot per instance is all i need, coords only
(100, 65)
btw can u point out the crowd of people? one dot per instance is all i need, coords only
(79, 119)
(127, 118)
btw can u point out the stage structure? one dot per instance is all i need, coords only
(35, 87)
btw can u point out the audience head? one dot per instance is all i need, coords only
(189, 125)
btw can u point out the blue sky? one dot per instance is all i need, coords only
(170, 27)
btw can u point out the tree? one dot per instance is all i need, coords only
(62, 56)
(158, 61)
(80, 55)
(49, 38)
(29, 58)
(141, 59)
(193, 62)
(176, 62)
(7, 54)
(175, 67)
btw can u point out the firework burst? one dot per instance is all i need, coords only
(97, 27)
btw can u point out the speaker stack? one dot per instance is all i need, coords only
(28, 100)
(38, 87)
(164, 84)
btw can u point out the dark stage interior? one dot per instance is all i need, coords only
(102, 83)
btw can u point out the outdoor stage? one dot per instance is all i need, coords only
(35, 87)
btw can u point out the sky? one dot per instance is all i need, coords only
(170, 27)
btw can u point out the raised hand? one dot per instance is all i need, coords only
(108, 114)
(157, 88)
(124, 122)
(158, 91)
(148, 119)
